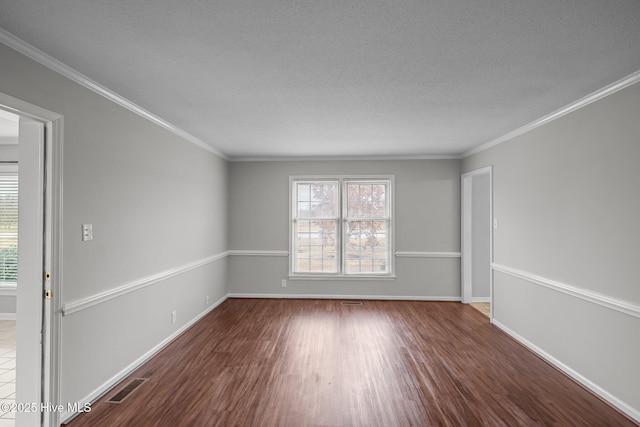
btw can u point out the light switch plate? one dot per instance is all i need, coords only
(87, 232)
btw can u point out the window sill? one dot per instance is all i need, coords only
(341, 277)
(8, 290)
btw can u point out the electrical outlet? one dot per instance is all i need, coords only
(284, 283)
(206, 300)
(174, 316)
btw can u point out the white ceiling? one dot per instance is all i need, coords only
(300, 78)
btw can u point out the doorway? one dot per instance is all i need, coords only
(477, 239)
(9, 125)
(36, 324)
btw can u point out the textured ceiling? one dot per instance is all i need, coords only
(340, 78)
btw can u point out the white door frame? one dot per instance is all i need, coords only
(49, 169)
(466, 184)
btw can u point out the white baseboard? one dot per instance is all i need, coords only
(480, 299)
(107, 385)
(608, 397)
(7, 316)
(364, 297)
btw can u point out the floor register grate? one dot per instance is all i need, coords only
(127, 390)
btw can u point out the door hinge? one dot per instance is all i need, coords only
(48, 293)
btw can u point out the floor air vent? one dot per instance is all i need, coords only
(127, 390)
(351, 303)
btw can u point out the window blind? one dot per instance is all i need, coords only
(8, 228)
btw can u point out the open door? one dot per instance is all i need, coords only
(38, 318)
(30, 289)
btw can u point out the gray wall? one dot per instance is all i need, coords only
(156, 202)
(7, 304)
(481, 236)
(566, 199)
(9, 153)
(427, 215)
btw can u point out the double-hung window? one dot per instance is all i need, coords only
(341, 226)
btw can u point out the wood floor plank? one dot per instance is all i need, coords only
(267, 362)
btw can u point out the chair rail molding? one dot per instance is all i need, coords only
(415, 254)
(256, 252)
(84, 303)
(622, 306)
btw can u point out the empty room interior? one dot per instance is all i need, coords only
(313, 213)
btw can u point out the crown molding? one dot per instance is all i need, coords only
(57, 66)
(344, 158)
(583, 102)
(42, 58)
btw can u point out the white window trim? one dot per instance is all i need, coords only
(341, 275)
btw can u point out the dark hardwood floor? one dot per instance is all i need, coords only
(320, 363)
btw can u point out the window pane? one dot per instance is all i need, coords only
(317, 200)
(367, 200)
(379, 197)
(367, 247)
(316, 250)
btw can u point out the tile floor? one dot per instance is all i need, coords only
(482, 307)
(7, 369)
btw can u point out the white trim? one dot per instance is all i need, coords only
(583, 102)
(340, 297)
(37, 55)
(341, 220)
(8, 291)
(107, 385)
(343, 277)
(55, 184)
(481, 299)
(466, 188)
(481, 171)
(622, 306)
(84, 303)
(54, 147)
(24, 109)
(414, 254)
(619, 404)
(7, 316)
(344, 158)
(267, 253)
